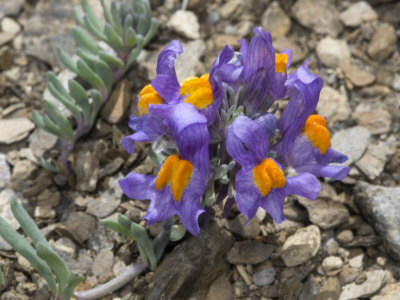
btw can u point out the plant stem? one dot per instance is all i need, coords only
(133, 270)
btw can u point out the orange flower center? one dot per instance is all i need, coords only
(267, 175)
(148, 96)
(198, 91)
(317, 133)
(281, 61)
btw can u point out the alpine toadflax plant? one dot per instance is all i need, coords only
(228, 141)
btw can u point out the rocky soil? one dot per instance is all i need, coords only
(345, 245)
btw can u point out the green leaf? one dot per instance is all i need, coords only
(20, 245)
(113, 38)
(116, 18)
(64, 100)
(135, 52)
(103, 70)
(91, 15)
(78, 17)
(125, 222)
(111, 59)
(89, 75)
(48, 166)
(79, 94)
(130, 37)
(106, 13)
(73, 280)
(52, 78)
(27, 224)
(45, 124)
(177, 233)
(87, 57)
(67, 61)
(55, 262)
(143, 25)
(84, 40)
(143, 240)
(56, 116)
(97, 102)
(117, 227)
(93, 30)
(1, 279)
(156, 158)
(128, 22)
(152, 30)
(51, 127)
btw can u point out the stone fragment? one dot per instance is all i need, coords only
(301, 246)
(290, 289)
(249, 231)
(264, 277)
(330, 290)
(359, 77)
(185, 23)
(321, 16)
(116, 107)
(348, 275)
(333, 105)
(5, 37)
(358, 13)
(373, 117)
(331, 263)
(81, 225)
(6, 62)
(373, 161)
(40, 141)
(44, 212)
(11, 8)
(48, 198)
(220, 289)
(275, 20)
(310, 289)
(375, 280)
(201, 262)
(248, 252)
(14, 130)
(389, 292)
(381, 206)
(188, 63)
(5, 210)
(345, 236)
(23, 169)
(298, 53)
(325, 213)
(332, 51)
(102, 264)
(231, 9)
(5, 174)
(24, 264)
(352, 142)
(10, 26)
(383, 42)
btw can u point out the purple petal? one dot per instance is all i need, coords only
(138, 186)
(334, 172)
(268, 122)
(273, 204)
(305, 185)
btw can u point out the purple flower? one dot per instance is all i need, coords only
(182, 178)
(305, 144)
(261, 181)
(147, 127)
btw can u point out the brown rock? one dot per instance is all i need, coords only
(373, 117)
(5, 37)
(383, 42)
(81, 225)
(275, 20)
(330, 290)
(356, 75)
(103, 263)
(117, 106)
(248, 252)
(221, 289)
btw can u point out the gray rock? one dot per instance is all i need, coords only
(301, 246)
(374, 117)
(201, 261)
(5, 209)
(298, 52)
(23, 169)
(290, 289)
(330, 290)
(275, 20)
(14, 130)
(5, 174)
(81, 225)
(10, 26)
(375, 280)
(231, 9)
(333, 105)
(332, 51)
(248, 252)
(325, 213)
(185, 23)
(359, 77)
(331, 263)
(352, 142)
(11, 8)
(248, 231)
(44, 212)
(321, 16)
(373, 161)
(383, 42)
(389, 292)
(116, 107)
(310, 289)
(40, 141)
(5, 38)
(188, 63)
(103, 263)
(348, 275)
(264, 277)
(220, 289)
(345, 236)
(358, 13)
(381, 206)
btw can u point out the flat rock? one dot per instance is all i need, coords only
(264, 277)
(375, 280)
(11, 8)
(298, 52)
(352, 142)
(201, 261)
(275, 20)
(116, 107)
(381, 206)
(188, 63)
(40, 141)
(374, 117)
(383, 42)
(5, 174)
(10, 26)
(331, 263)
(185, 23)
(301, 246)
(333, 105)
(358, 13)
(389, 292)
(231, 9)
(359, 77)
(23, 169)
(248, 252)
(330, 290)
(310, 289)
(81, 225)
(248, 231)
(321, 16)
(14, 130)
(103, 263)
(373, 161)
(5, 209)
(220, 289)
(332, 51)
(5, 37)
(325, 213)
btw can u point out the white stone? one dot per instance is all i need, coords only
(358, 13)
(14, 130)
(5, 174)
(331, 263)
(356, 261)
(10, 26)
(185, 23)
(375, 280)
(332, 51)
(333, 105)
(5, 209)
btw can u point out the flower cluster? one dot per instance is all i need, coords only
(229, 143)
